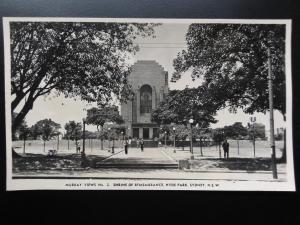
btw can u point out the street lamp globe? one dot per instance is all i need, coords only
(191, 120)
(84, 120)
(174, 128)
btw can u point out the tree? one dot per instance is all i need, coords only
(74, 59)
(35, 131)
(24, 133)
(180, 133)
(73, 131)
(235, 130)
(179, 106)
(201, 134)
(47, 129)
(232, 61)
(258, 130)
(99, 116)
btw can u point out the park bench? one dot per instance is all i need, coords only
(52, 152)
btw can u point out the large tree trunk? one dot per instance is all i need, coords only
(32, 96)
(21, 115)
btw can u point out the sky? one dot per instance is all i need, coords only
(169, 41)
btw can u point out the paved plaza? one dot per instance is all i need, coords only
(161, 163)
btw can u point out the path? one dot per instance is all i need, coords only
(149, 158)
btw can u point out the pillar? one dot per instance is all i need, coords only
(150, 132)
(138, 104)
(141, 132)
(153, 97)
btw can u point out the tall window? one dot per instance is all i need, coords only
(136, 133)
(146, 99)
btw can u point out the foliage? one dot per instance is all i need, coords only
(218, 135)
(90, 135)
(73, 58)
(180, 106)
(47, 128)
(181, 131)
(232, 61)
(259, 130)
(98, 116)
(113, 134)
(24, 131)
(35, 131)
(201, 133)
(73, 130)
(236, 130)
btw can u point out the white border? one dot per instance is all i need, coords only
(57, 184)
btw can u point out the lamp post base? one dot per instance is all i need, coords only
(274, 166)
(192, 157)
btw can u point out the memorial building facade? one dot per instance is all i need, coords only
(149, 82)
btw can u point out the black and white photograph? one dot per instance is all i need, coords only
(148, 104)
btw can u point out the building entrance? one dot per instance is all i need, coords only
(146, 133)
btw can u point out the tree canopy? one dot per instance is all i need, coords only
(180, 105)
(75, 59)
(235, 130)
(98, 116)
(73, 130)
(24, 131)
(47, 128)
(232, 61)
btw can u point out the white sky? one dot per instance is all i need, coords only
(170, 39)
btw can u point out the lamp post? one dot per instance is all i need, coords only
(253, 120)
(271, 106)
(174, 139)
(191, 121)
(165, 139)
(83, 137)
(122, 137)
(109, 137)
(113, 145)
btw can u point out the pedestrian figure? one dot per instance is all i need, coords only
(77, 147)
(142, 144)
(137, 143)
(126, 146)
(225, 147)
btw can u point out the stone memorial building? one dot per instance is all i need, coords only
(150, 85)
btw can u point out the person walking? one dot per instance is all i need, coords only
(126, 146)
(225, 147)
(137, 143)
(142, 144)
(77, 147)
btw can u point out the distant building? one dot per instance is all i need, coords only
(149, 82)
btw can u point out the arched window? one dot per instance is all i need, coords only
(146, 99)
